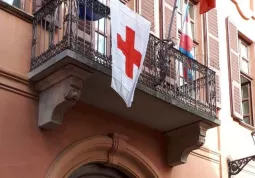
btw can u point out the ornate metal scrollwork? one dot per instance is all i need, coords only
(236, 166)
(98, 7)
(160, 73)
(53, 50)
(163, 59)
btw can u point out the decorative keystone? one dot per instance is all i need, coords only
(182, 141)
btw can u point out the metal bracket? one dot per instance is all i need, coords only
(236, 166)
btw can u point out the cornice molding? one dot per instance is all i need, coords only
(245, 12)
(16, 83)
(207, 154)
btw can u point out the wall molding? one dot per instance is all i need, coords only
(16, 83)
(249, 169)
(207, 154)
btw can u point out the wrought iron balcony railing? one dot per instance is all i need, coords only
(66, 24)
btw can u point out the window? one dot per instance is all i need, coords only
(16, 3)
(184, 73)
(246, 100)
(245, 82)
(97, 29)
(244, 56)
(182, 5)
(101, 34)
(100, 43)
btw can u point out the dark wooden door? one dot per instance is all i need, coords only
(97, 171)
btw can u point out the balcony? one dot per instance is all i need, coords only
(71, 61)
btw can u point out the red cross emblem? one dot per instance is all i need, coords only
(128, 49)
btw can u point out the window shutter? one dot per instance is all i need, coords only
(148, 11)
(213, 49)
(234, 68)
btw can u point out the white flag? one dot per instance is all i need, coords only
(130, 35)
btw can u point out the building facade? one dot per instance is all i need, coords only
(60, 118)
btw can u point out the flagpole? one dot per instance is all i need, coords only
(162, 53)
(172, 19)
(182, 26)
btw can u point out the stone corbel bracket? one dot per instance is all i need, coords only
(58, 93)
(182, 141)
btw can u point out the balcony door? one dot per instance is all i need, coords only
(97, 171)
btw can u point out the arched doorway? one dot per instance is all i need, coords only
(98, 152)
(97, 171)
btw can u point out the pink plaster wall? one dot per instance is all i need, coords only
(27, 151)
(15, 43)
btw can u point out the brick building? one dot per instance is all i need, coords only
(60, 118)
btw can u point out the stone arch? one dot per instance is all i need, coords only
(112, 150)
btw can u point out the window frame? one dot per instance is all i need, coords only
(20, 8)
(241, 43)
(103, 33)
(181, 12)
(93, 30)
(195, 43)
(249, 99)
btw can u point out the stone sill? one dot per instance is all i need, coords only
(243, 124)
(247, 126)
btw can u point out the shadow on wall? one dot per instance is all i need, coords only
(201, 163)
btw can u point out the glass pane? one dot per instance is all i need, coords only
(184, 9)
(101, 23)
(181, 81)
(193, 52)
(244, 51)
(96, 35)
(191, 11)
(246, 107)
(247, 120)
(245, 91)
(179, 21)
(179, 4)
(180, 70)
(245, 66)
(96, 24)
(192, 29)
(100, 43)
(102, 46)
(15, 3)
(244, 80)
